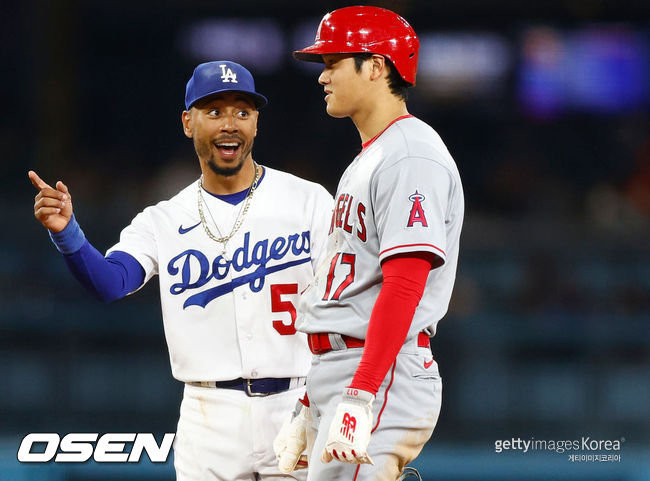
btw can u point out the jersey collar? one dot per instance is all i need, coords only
(365, 145)
(237, 197)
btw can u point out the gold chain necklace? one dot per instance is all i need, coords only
(240, 216)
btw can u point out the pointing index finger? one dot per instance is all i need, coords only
(37, 181)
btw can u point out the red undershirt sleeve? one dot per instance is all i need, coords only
(405, 277)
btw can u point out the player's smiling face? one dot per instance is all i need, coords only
(223, 128)
(344, 87)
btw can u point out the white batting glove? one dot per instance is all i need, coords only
(349, 433)
(291, 441)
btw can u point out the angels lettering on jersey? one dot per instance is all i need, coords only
(194, 269)
(348, 213)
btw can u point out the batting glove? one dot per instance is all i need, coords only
(349, 433)
(291, 441)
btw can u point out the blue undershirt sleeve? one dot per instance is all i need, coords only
(107, 278)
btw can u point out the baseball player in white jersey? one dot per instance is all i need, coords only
(374, 391)
(232, 251)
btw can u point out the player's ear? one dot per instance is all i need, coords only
(257, 117)
(186, 119)
(377, 67)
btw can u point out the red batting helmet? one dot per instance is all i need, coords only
(366, 29)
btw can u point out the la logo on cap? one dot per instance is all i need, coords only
(227, 75)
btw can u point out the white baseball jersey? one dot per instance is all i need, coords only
(232, 316)
(401, 194)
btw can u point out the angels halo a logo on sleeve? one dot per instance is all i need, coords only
(417, 212)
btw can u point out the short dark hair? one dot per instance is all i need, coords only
(397, 85)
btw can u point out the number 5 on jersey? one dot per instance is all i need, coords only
(278, 305)
(347, 259)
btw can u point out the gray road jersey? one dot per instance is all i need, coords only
(401, 194)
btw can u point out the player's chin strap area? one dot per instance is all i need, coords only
(409, 472)
(255, 387)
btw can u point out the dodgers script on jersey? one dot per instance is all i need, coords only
(229, 315)
(401, 194)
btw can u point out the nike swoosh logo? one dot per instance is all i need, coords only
(183, 230)
(427, 365)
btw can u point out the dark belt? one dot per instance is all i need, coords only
(320, 343)
(252, 387)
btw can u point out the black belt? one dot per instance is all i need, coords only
(252, 387)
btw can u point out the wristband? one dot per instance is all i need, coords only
(70, 239)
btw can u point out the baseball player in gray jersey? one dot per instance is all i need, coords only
(232, 251)
(374, 391)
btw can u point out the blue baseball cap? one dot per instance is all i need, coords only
(221, 76)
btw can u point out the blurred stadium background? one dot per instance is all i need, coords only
(545, 106)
